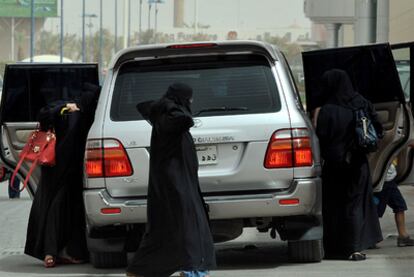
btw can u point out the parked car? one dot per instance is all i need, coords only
(258, 153)
(374, 74)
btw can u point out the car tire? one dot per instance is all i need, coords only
(108, 259)
(305, 251)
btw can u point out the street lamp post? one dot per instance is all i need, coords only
(32, 30)
(116, 27)
(195, 17)
(125, 29)
(61, 31)
(83, 30)
(90, 26)
(129, 23)
(149, 16)
(156, 22)
(140, 21)
(100, 35)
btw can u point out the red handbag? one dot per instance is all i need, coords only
(39, 149)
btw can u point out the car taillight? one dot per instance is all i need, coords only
(106, 158)
(192, 45)
(111, 210)
(289, 148)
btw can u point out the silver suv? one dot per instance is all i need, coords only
(258, 153)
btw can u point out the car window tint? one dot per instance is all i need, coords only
(402, 60)
(29, 88)
(405, 81)
(231, 81)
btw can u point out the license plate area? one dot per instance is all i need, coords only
(207, 154)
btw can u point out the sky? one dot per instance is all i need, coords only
(249, 16)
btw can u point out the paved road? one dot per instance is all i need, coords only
(252, 254)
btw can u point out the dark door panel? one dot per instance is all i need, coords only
(371, 69)
(27, 88)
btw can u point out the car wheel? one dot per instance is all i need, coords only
(108, 259)
(305, 251)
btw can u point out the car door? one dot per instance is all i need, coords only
(373, 73)
(27, 88)
(403, 55)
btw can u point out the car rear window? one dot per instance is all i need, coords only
(243, 82)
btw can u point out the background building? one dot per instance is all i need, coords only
(15, 25)
(349, 22)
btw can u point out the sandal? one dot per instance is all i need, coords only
(357, 256)
(69, 260)
(49, 261)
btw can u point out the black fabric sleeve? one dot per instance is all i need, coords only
(88, 101)
(176, 121)
(144, 108)
(322, 126)
(48, 114)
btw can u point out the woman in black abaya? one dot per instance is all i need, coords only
(177, 234)
(56, 229)
(350, 220)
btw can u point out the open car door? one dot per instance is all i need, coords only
(26, 89)
(374, 75)
(403, 56)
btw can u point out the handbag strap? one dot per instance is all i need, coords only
(19, 165)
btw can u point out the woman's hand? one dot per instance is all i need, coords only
(72, 107)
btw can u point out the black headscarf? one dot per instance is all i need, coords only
(181, 94)
(336, 82)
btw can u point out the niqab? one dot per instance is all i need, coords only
(337, 83)
(181, 94)
(177, 236)
(57, 216)
(349, 215)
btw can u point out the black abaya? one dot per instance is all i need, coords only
(57, 219)
(177, 233)
(350, 219)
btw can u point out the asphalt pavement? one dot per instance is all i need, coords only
(253, 254)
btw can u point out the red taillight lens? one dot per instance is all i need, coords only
(107, 158)
(94, 162)
(289, 148)
(192, 45)
(2, 172)
(279, 151)
(303, 151)
(111, 210)
(288, 202)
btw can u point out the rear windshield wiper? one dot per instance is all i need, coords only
(220, 109)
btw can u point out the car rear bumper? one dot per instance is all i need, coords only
(306, 191)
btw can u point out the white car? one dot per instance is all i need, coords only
(258, 153)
